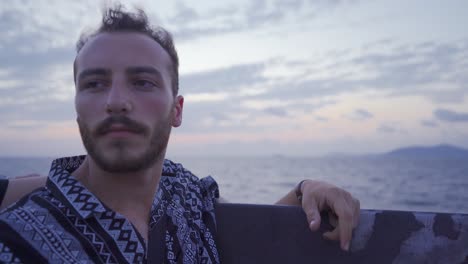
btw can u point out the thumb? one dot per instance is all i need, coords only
(313, 214)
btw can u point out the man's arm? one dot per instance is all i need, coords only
(222, 200)
(317, 196)
(20, 186)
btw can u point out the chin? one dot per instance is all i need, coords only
(122, 160)
(123, 156)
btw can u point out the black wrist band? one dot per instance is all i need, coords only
(298, 191)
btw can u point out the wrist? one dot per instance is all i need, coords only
(298, 191)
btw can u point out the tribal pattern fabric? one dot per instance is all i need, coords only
(65, 223)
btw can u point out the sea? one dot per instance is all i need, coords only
(382, 182)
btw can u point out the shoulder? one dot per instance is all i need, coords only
(177, 170)
(26, 209)
(17, 222)
(28, 201)
(183, 179)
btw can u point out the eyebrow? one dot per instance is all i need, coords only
(144, 69)
(129, 70)
(93, 71)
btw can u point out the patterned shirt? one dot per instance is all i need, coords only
(65, 223)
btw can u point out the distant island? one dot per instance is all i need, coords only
(439, 152)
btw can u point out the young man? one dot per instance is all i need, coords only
(101, 207)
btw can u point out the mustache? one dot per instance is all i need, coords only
(128, 124)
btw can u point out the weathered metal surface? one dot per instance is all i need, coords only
(280, 234)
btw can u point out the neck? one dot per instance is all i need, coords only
(130, 194)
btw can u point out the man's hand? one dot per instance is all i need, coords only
(344, 209)
(319, 196)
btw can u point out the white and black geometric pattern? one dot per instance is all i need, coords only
(65, 223)
(7, 256)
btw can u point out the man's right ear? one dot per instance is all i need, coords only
(177, 111)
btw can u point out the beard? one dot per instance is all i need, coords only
(121, 161)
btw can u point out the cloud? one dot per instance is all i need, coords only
(44, 83)
(360, 115)
(41, 111)
(321, 119)
(184, 14)
(391, 128)
(44, 94)
(242, 87)
(40, 49)
(433, 70)
(276, 111)
(36, 59)
(36, 86)
(52, 24)
(363, 113)
(206, 97)
(386, 129)
(429, 123)
(436, 73)
(260, 12)
(401, 71)
(190, 23)
(450, 116)
(224, 79)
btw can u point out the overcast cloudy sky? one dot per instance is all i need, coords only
(291, 77)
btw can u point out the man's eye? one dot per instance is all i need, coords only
(144, 84)
(93, 85)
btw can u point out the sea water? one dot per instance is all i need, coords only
(434, 185)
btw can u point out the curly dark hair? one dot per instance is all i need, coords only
(116, 19)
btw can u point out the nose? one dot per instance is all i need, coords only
(118, 101)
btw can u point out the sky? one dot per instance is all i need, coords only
(281, 77)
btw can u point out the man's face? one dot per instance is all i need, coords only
(124, 101)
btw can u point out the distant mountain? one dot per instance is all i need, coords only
(439, 151)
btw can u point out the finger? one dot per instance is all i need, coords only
(346, 233)
(346, 225)
(357, 212)
(355, 207)
(345, 213)
(333, 219)
(332, 235)
(312, 212)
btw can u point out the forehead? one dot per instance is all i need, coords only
(120, 50)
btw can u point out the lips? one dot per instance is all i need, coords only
(120, 125)
(119, 130)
